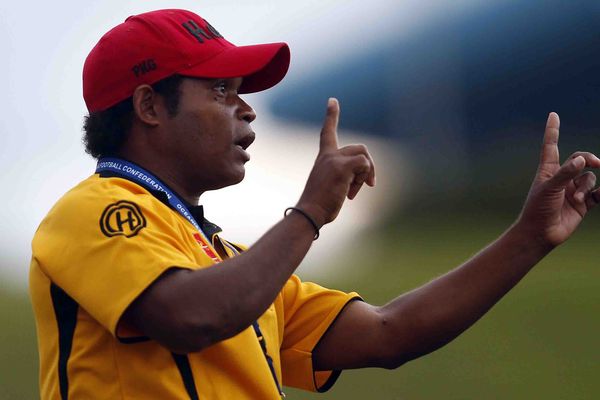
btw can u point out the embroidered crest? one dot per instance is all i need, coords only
(123, 218)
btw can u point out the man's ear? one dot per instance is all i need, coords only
(145, 102)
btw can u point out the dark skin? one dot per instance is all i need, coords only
(187, 311)
(197, 150)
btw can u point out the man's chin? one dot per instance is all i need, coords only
(233, 179)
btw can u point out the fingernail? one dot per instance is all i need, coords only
(579, 161)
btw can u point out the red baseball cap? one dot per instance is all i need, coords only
(152, 46)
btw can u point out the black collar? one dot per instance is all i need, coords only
(197, 212)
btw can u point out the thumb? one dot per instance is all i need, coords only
(329, 138)
(567, 172)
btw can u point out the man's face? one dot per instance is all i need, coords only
(209, 134)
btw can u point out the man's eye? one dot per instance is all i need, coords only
(221, 87)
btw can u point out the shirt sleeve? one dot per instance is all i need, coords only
(309, 310)
(106, 256)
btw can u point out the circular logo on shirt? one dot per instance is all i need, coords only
(122, 218)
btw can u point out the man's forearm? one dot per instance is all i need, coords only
(189, 310)
(246, 285)
(426, 318)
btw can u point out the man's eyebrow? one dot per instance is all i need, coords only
(239, 81)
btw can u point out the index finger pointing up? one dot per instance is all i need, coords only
(549, 153)
(329, 140)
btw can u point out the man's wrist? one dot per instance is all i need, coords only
(307, 216)
(528, 240)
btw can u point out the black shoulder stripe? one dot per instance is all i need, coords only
(65, 310)
(185, 370)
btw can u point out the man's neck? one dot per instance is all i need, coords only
(167, 175)
(171, 180)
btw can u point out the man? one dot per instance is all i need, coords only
(137, 296)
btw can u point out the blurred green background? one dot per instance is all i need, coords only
(541, 341)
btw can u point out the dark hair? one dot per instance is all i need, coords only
(105, 131)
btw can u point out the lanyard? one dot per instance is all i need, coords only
(139, 175)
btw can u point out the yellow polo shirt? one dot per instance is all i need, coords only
(99, 247)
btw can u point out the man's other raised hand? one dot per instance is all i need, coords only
(560, 195)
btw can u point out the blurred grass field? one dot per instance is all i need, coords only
(540, 342)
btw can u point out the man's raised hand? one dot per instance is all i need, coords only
(338, 172)
(560, 196)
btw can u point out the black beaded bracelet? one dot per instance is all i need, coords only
(308, 217)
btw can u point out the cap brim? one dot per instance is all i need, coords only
(262, 66)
